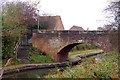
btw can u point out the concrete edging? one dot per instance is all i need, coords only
(47, 65)
(39, 66)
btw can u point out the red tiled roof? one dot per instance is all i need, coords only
(53, 22)
(77, 28)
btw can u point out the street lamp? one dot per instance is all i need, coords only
(38, 20)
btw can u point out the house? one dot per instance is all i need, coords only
(77, 28)
(51, 22)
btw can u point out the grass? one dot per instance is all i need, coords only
(16, 67)
(38, 56)
(107, 67)
(80, 52)
(41, 58)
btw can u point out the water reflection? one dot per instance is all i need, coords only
(37, 73)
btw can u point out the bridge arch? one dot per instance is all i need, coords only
(54, 43)
(63, 54)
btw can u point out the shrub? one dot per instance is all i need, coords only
(8, 44)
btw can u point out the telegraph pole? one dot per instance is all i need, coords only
(118, 18)
(38, 20)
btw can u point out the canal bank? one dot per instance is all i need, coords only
(27, 67)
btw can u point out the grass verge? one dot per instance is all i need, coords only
(80, 52)
(41, 58)
(106, 67)
(15, 67)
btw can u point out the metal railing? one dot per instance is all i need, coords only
(15, 52)
(17, 47)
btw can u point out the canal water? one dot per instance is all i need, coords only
(36, 73)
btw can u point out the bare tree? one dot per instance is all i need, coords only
(114, 9)
(114, 12)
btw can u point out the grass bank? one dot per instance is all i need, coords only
(35, 56)
(80, 52)
(41, 58)
(38, 56)
(106, 67)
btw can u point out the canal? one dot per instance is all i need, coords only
(40, 73)
(36, 73)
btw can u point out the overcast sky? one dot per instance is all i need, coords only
(84, 13)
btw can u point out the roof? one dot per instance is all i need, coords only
(52, 22)
(77, 28)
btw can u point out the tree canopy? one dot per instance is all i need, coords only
(113, 27)
(114, 9)
(16, 18)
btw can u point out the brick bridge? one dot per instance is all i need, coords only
(58, 43)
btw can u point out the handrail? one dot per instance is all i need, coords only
(15, 52)
(16, 47)
(2, 70)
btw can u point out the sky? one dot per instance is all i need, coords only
(83, 13)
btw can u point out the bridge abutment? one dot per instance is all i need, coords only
(59, 43)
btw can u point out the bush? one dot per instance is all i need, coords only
(8, 44)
